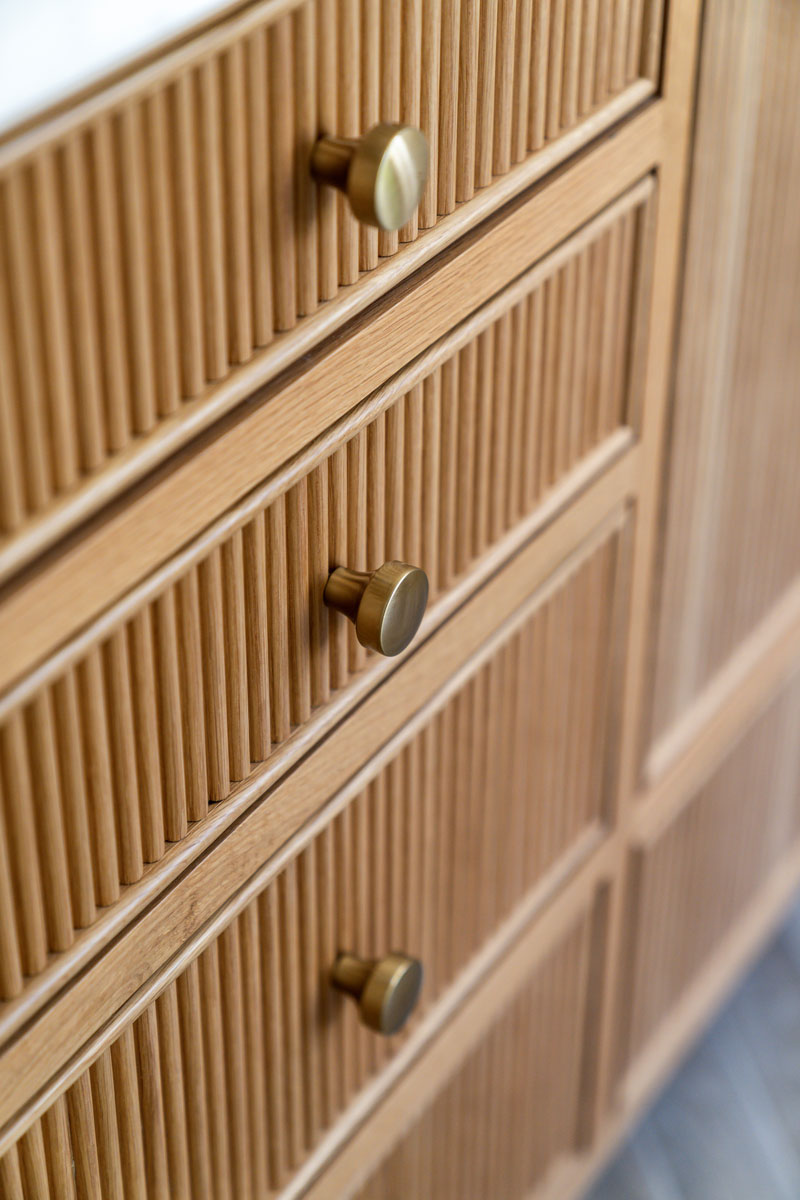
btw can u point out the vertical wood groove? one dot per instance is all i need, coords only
(159, 244)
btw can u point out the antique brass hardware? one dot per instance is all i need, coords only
(386, 606)
(382, 174)
(386, 989)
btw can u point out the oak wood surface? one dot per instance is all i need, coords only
(125, 304)
(166, 670)
(417, 474)
(59, 968)
(165, 926)
(135, 538)
(730, 544)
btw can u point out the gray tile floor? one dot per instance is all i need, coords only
(728, 1125)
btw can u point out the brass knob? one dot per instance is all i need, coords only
(386, 989)
(382, 173)
(386, 606)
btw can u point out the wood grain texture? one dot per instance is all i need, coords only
(246, 624)
(369, 721)
(201, 1052)
(122, 305)
(177, 926)
(423, 841)
(709, 862)
(541, 1010)
(518, 1086)
(730, 546)
(93, 570)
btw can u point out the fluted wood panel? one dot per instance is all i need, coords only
(507, 780)
(164, 236)
(511, 1109)
(202, 1094)
(730, 538)
(107, 761)
(692, 883)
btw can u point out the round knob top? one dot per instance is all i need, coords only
(392, 607)
(386, 605)
(386, 990)
(387, 175)
(382, 174)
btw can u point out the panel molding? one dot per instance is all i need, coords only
(722, 712)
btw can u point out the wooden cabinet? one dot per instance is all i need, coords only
(572, 798)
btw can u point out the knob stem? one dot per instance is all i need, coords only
(345, 589)
(330, 160)
(350, 974)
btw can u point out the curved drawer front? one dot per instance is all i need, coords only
(161, 233)
(250, 1055)
(142, 725)
(694, 879)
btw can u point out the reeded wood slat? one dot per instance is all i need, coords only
(212, 220)
(109, 1162)
(49, 237)
(192, 1066)
(25, 338)
(255, 597)
(55, 1128)
(164, 290)
(174, 1084)
(33, 1165)
(392, 35)
(26, 899)
(130, 165)
(168, 235)
(211, 1021)
(10, 957)
(83, 1138)
(162, 716)
(129, 1119)
(112, 335)
(11, 1176)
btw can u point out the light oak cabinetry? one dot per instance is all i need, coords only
(573, 798)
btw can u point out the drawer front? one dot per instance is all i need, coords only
(179, 1104)
(250, 1055)
(693, 881)
(510, 1110)
(134, 732)
(164, 232)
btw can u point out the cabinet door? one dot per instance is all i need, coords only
(730, 544)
